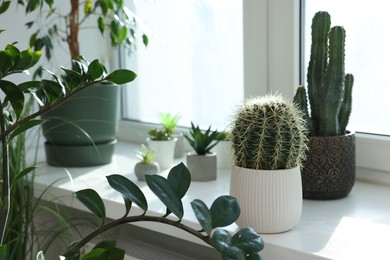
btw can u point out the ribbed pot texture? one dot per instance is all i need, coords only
(270, 201)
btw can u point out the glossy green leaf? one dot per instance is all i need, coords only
(14, 52)
(122, 34)
(166, 193)
(25, 126)
(233, 253)
(180, 178)
(91, 199)
(254, 256)
(105, 244)
(248, 240)
(60, 85)
(203, 215)
(224, 211)
(40, 256)
(87, 7)
(73, 79)
(105, 254)
(6, 62)
(28, 59)
(49, 3)
(51, 89)
(95, 69)
(121, 76)
(4, 6)
(145, 39)
(221, 239)
(130, 192)
(14, 95)
(101, 24)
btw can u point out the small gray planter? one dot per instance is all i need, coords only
(142, 169)
(202, 167)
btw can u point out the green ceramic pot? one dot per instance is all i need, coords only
(82, 131)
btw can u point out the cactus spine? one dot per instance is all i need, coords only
(268, 133)
(329, 89)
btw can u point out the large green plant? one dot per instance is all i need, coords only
(268, 133)
(49, 94)
(202, 141)
(64, 23)
(329, 88)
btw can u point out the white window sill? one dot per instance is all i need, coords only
(356, 227)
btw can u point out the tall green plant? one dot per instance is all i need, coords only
(202, 141)
(268, 133)
(329, 88)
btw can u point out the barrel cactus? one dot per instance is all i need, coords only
(269, 133)
(329, 89)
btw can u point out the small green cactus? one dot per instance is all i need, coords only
(329, 89)
(269, 133)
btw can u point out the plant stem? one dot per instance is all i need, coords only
(73, 41)
(74, 249)
(6, 198)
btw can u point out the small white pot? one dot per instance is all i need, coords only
(164, 152)
(142, 169)
(270, 201)
(224, 153)
(202, 167)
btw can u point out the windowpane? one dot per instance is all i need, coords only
(367, 57)
(193, 65)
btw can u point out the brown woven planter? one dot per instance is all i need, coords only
(329, 172)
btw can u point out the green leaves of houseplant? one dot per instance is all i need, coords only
(245, 244)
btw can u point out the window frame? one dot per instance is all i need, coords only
(272, 59)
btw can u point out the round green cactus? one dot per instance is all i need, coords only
(269, 133)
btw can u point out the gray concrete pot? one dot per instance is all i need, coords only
(202, 167)
(142, 169)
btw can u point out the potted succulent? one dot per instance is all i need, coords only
(48, 94)
(269, 142)
(329, 171)
(169, 123)
(224, 150)
(202, 163)
(163, 144)
(146, 165)
(81, 132)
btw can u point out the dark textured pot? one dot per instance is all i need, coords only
(82, 131)
(329, 171)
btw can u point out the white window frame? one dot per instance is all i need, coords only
(271, 64)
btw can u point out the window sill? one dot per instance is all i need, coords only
(356, 227)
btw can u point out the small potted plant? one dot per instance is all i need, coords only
(329, 171)
(269, 143)
(164, 146)
(202, 163)
(146, 165)
(224, 150)
(169, 123)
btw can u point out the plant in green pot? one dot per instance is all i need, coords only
(269, 142)
(163, 144)
(202, 163)
(81, 132)
(329, 171)
(146, 165)
(169, 123)
(48, 94)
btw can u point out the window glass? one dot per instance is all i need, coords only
(367, 57)
(193, 65)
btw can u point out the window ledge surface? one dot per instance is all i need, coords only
(356, 227)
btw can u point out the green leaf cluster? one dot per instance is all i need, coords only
(245, 244)
(159, 134)
(169, 122)
(146, 154)
(202, 141)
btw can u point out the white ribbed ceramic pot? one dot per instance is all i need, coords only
(164, 152)
(270, 201)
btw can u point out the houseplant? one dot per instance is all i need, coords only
(269, 142)
(169, 123)
(162, 142)
(329, 171)
(51, 93)
(203, 163)
(146, 165)
(82, 132)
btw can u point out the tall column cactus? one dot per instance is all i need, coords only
(329, 89)
(268, 133)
